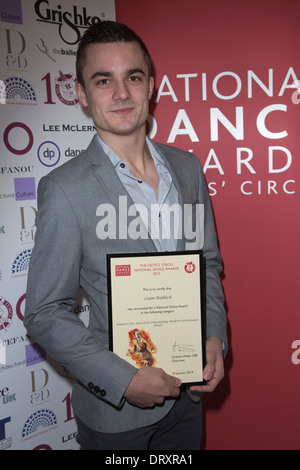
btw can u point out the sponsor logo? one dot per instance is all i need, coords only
(21, 264)
(16, 169)
(6, 396)
(39, 393)
(15, 46)
(5, 442)
(27, 228)
(6, 313)
(19, 310)
(69, 22)
(34, 354)
(7, 196)
(8, 359)
(190, 267)
(123, 270)
(11, 11)
(65, 88)
(16, 90)
(44, 49)
(24, 189)
(25, 144)
(39, 422)
(48, 153)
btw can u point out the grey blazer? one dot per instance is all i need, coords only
(68, 254)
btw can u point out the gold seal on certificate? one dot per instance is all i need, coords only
(156, 312)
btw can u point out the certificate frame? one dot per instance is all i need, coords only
(156, 311)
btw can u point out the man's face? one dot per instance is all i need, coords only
(117, 88)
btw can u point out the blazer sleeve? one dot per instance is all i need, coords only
(53, 282)
(216, 320)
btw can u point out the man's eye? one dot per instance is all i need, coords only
(104, 81)
(134, 79)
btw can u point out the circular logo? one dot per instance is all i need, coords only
(190, 267)
(6, 313)
(18, 307)
(24, 147)
(65, 88)
(48, 153)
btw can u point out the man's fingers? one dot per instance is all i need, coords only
(170, 385)
(150, 386)
(208, 374)
(174, 381)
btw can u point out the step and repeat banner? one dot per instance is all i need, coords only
(41, 126)
(227, 88)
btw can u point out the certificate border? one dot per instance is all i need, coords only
(202, 296)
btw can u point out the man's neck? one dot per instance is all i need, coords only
(132, 149)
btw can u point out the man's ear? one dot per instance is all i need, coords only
(151, 87)
(81, 94)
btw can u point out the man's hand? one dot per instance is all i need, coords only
(214, 369)
(151, 386)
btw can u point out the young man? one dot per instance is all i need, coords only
(116, 405)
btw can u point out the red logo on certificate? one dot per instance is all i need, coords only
(123, 270)
(190, 267)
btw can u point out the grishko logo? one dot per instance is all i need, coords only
(163, 221)
(70, 22)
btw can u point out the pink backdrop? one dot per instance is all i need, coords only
(226, 87)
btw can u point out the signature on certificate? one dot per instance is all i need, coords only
(182, 347)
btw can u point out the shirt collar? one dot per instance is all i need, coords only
(158, 160)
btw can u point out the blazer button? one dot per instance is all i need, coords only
(97, 389)
(103, 393)
(91, 385)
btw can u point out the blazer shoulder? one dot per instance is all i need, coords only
(176, 153)
(177, 158)
(75, 168)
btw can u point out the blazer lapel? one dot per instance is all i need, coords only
(105, 173)
(114, 189)
(176, 174)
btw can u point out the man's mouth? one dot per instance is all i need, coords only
(122, 111)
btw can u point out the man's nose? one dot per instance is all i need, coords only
(121, 91)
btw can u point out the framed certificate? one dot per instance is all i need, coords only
(156, 311)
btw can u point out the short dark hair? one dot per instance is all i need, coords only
(106, 32)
